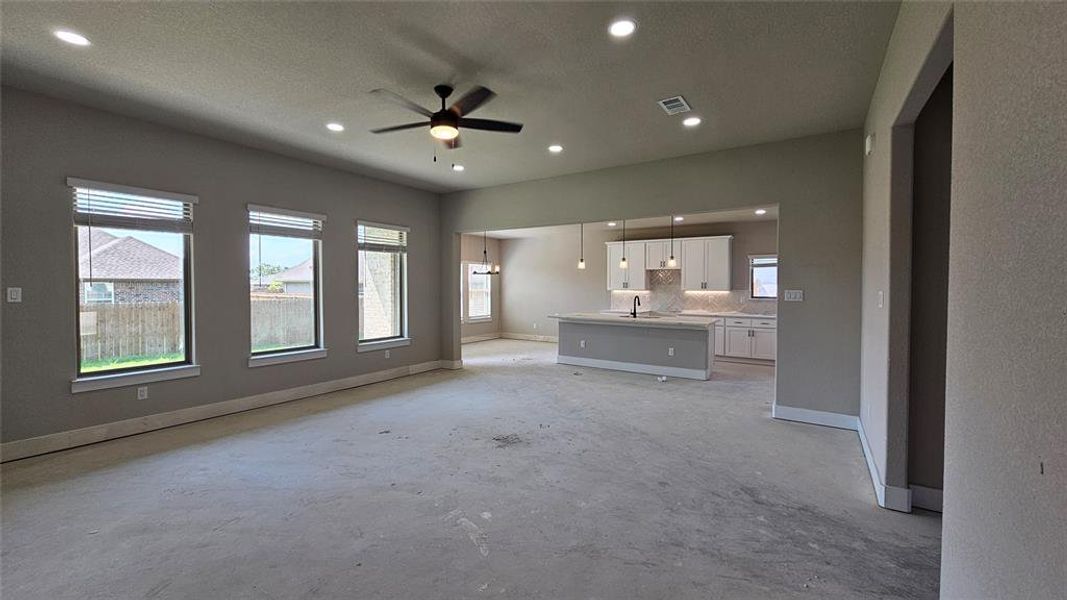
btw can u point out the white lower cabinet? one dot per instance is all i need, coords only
(765, 344)
(749, 338)
(720, 340)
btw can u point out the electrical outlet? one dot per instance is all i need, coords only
(387, 354)
(581, 344)
(670, 351)
(14, 294)
(142, 392)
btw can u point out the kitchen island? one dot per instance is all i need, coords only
(656, 344)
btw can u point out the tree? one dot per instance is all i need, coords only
(263, 270)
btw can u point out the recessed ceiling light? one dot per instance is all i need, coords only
(612, 224)
(691, 121)
(622, 28)
(71, 38)
(335, 127)
(679, 219)
(458, 168)
(761, 211)
(555, 148)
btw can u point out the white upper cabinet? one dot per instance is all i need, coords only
(633, 277)
(704, 262)
(693, 257)
(658, 252)
(717, 264)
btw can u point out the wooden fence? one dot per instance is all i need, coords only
(127, 331)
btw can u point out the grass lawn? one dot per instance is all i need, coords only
(126, 362)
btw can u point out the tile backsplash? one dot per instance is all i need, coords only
(665, 294)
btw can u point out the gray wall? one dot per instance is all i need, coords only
(817, 184)
(929, 288)
(45, 140)
(1005, 519)
(542, 278)
(471, 250)
(905, 82)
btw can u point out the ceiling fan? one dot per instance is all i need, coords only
(446, 123)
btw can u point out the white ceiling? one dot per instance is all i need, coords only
(271, 74)
(635, 225)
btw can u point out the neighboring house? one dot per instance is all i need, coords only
(294, 280)
(126, 270)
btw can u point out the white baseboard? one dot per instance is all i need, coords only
(891, 497)
(479, 338)
(581, 361)
(815, 417)
(107, 431)
(529, 337)
(926, 497)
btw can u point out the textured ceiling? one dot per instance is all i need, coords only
(636, 225)
(271, 74)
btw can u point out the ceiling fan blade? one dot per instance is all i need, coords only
(490, 125)
(400, 127)
(399, 100)
(472, 100)
(452, 144)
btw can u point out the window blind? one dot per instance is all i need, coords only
(267, 220)
(381, 238)
(111, 205)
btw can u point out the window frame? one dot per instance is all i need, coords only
(752, 276)
(318, 348)
(465, 276)
(111, 378)
(403, 338)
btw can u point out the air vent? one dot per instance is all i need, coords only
(674, 105)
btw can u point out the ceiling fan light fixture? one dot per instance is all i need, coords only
(444, 132)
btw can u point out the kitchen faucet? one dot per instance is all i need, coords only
(637, 302)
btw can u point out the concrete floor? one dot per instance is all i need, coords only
(513, 478)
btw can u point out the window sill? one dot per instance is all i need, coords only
(105, 382)
(280, 358)
(382, 344)
(479, 320)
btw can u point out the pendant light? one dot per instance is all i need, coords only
(622, 263)
(490, 269)
(581, 246)
(671, 263)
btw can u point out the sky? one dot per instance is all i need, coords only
(282, 251)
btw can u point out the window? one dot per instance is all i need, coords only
(133, 272)
(284, 280)
(382, 285)
(476, 304)
(99, 291)
(763, 275)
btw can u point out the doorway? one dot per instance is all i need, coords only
(931, 194)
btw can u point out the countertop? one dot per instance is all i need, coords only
(643, 320)
(736, 315)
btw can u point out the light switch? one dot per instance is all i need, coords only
(794, 295)
(14, 294)
(881, 298)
